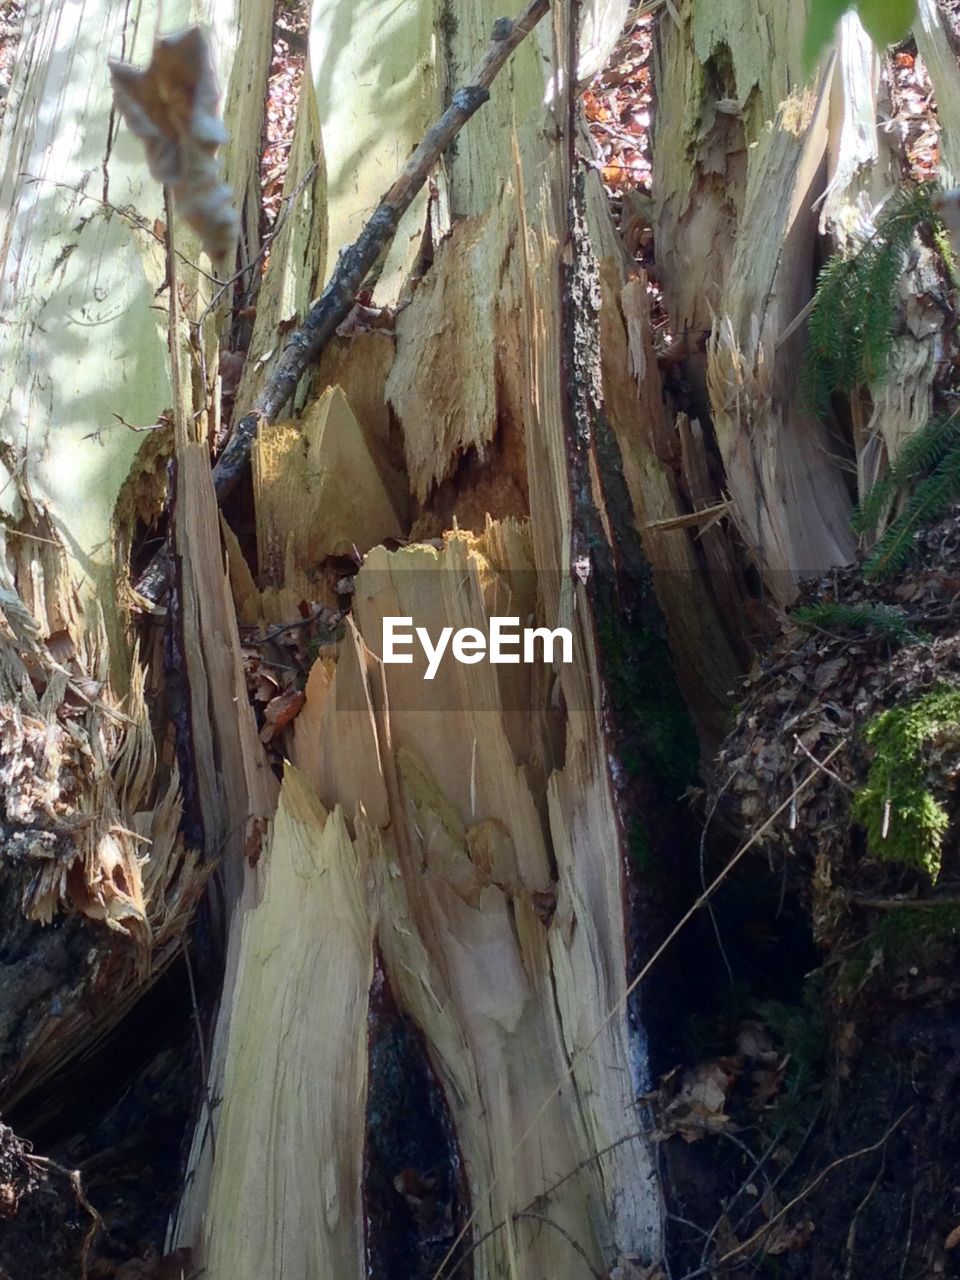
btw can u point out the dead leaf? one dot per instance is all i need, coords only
(253, 846)
(280, 712)
(266, 687)
(172, 107)
(698, 1108)
(827, 672)
(953, 1239)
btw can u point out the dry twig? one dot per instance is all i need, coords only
(549, 1222)
(802, 1195)
(73, 1177)
(819, 763)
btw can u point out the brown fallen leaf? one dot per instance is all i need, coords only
(172, 107)
(280, 712)
(827, 672)
(253, 845)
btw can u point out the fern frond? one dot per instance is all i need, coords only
(919, 455)
(882, 619)
(850, 325)
(931, 498)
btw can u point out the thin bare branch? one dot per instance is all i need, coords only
(545, 1195)
(819, 763)
(73, 1177)
(133, 219)
(287, 206)
(549, 1222)
(809, 1189)
(333, 306)
(894, 904)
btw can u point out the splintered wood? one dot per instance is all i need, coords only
(790, 504)
(91, 808)
(82, 834)
(466, 825)
(295, 1076)
(445, 337)
(301, 466)
(437, 840)
(737, 206)
(656, 464)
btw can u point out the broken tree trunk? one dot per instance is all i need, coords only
(455, 844)
(111, 831)
(422, 1034)
(740, 490)
(465, 829)
(740, 157)
(91, 785)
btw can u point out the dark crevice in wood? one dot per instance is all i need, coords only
(414, 1184)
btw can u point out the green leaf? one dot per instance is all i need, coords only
(822, 18)
(886, 21)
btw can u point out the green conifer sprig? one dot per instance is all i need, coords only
(850, 325)
(883, 620)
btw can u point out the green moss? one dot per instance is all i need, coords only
(905, 937)
(638, 845)
(661, 740)
(918, 935)
(903, 819)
